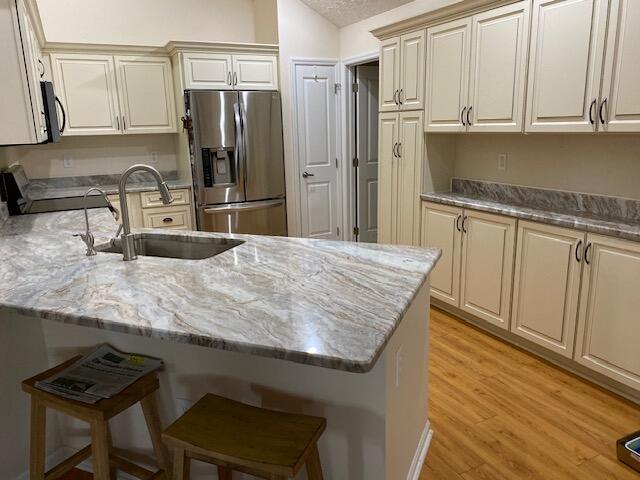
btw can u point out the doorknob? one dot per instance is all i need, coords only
(307, 174)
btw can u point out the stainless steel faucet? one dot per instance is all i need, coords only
(128, 244)
(87, 236)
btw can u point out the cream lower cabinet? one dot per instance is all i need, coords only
(476, 268)
(146, 210)
(546, 285)
(441, 229)
(400, 145)
(608, 338)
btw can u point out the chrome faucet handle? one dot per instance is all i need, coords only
(89, 241)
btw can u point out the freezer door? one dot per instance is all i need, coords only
(266, 217)
(217, 148)
(263, 150)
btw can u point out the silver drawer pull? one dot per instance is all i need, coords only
(167, 220)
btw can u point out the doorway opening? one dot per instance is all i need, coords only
(364, 121)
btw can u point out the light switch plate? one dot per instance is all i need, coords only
(502, 161)
(67, 161)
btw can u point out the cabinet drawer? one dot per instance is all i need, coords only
(152, 199)
(173, 218)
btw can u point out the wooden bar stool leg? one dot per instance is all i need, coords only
(100, 450)
(150, 410)
(113, 472)
(38, 436)
(181, 465)
(314, 468)
(224, 473)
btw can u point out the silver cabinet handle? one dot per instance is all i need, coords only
(307, 174)
(229, 78)
(243, 207)
(393, 149)
(400, 96)
(395, 97)
(124, 123)
(464, 223)
(462, 116)
(118, 123)
(235, 78)
(400, 150)
(40, 64)
(601, 112)
(469, 113)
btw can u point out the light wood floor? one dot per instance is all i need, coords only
(500, 413)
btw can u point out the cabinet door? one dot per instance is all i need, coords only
(498, 69)
(565, 64)
(487, 266)
(407, 180)
(255, 72)
(447, 82)
(387, 143)
(441, 229)
(86, 86)
(608, 339)
(145, 88)
(621, 111)
(207, 71)
(389, 74)
(411, 94)
(546, 285)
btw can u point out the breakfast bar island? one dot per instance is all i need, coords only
(326, 328)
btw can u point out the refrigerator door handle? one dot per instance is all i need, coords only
(239, 153)
(243, 117)
(243, 207)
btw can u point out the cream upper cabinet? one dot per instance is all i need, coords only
(411, 93)
(546, 285)
(402, 72)
(207, 71)
(389, 74)
(498, 69)
(620, 97)
(86, 86)
(441, 228)
(487, 266)
(399, 177)
(608, 338)
(145, 90)
(565, 65)
(447, 81)
(387, 144)
(219, 71)
(255, 72)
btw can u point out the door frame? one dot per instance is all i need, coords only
(293, 65)
(347, 78)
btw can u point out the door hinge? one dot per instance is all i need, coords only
(336, 87)
(356, 231)
(356, 162)
(355, 87)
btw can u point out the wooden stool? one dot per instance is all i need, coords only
(235, 436)
(106, 459)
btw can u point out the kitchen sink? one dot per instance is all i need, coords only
(174, 246)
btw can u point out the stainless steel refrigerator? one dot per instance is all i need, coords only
(238, 161)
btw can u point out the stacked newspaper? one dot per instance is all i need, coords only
(102, 373)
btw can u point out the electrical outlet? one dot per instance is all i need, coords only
(67, 161)
(399, 361)
(154, 157)
(183, 405)
(502, 161)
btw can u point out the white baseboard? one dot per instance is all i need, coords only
(421, 453)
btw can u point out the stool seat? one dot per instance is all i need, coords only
(106, 459)
(254, 440)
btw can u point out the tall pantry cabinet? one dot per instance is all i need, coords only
(400, 138)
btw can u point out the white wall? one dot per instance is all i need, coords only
(356, 39)
(601, 164)
(155, 22)
(98, 155)
(302, 33)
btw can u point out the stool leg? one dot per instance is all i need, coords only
(113, 472)
(181, 465)
(150, 410)
(38, 435)
(224, 473)
(100, 450)
(314, 468)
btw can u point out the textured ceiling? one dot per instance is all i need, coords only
(346, 12)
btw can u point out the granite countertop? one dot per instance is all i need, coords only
(611, 216)
(45, 191)
(324, 303)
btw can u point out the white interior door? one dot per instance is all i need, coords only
(447, 81)
(621, 112)
(367, 153)
(565, 64)
(317, 150)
